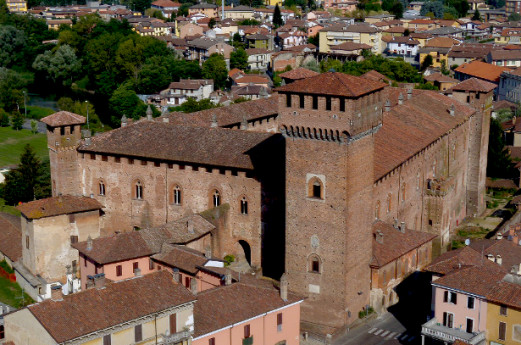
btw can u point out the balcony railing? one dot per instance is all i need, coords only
(175, 338)
(434, 329)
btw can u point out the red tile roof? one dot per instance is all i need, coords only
(228, 305)
(94, 309)
(333, 83)
(58, 205)
(376, 76)
(456, 259)
(350, 46)
(482, 70)
(441, 78)
(474, 84)
(181, 257)
(298, 73)
(10, 237)
(395, 243)
(477, 280)
(63, 118)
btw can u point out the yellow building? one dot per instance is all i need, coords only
(357, 33)
(504, 313)
(16, 6)
(239, 13)
(144, 310)
(54, 24)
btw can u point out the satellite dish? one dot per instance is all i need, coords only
(467, 242)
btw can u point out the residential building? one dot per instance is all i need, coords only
(252, 79)
(54, 24)
(480, 70)
(259, 59)
(150, 309)
(463, 53)
(288, 40)
(201, 48)
(421, 24)
(49, 227)
(240, 12)
(438, 48)
(178, 92)
(509, 35)
(16, 6)
(10, 238)
(508, 58)
(167, 7)
(209, 10)
(187, 29)
(441, 81)
(350, 48)
(259, 41)
(512, 6)
(250, 91)
(357, 33)
(297, 74)
(402, 46)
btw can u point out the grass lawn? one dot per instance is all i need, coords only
(12, 143)
(11, 294)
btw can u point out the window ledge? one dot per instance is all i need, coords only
(311, 198)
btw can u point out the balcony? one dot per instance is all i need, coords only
(434, 329)
(175, 338)
(440, 186)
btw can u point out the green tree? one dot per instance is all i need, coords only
(212, 23)
(4, 118)
(239, 59)
(34, 126)
(61, 66)
(314, 40)
(124, 101)
(514, 17)
(12, 42)
(29, 181)
(277, 17)
(499, 162)
(435, 7)
(330, 64)
(17, 120)
(250, 22)
(427, 61)
(476, 15)
(191, 105)
(215, 68)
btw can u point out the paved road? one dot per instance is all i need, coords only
(386, 329)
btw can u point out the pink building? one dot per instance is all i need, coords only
(244, 313)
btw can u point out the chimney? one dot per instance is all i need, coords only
(89, 243)
(379, 237)
(214, 121)
(87, 141)
(137, 272)
(400, 99)
(387, 106)
(402, 227)
(90, 282)
(284, 287)
(244, 123)
(499, 260)
(190, 225)
(193, 286)
(166, 119)
(56, 293)
(228, 277)
(123, 121)
(409, 93)
(99, 281)
(208, 253)
(452, 109)
(490, 257)
(149, 113)
(176, 276)
(499, 236)
(395, 223)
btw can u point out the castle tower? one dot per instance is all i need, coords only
(478, 94)
(63, 137)
(329, 123)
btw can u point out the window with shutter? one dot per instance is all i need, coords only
(445, 296)
(247, 331)
(279, 322)
(119, 270)
(173, 323)
(74, 239)
(138, 333)
(502, 331)
(211, 341)
(107, 340)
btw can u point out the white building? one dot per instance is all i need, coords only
(178, 92)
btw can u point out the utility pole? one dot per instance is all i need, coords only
(87, 106)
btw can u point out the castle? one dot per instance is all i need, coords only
(294, 182)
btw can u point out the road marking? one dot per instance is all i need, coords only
(411, 339)
(398, 335)
(404, 336)
(372, 330)
(379, 331)
(390, 336)
(384, 333)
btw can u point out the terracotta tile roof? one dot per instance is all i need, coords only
(507, 293)
(510, 252)
(228, 116)
(441, 78)
(501, 184)
(58, 205)
(441, 42)
(395, 243)
(515, 152)
(395, 29)
(10, 237)
(145, 242)
(505, 55)
(252, 78)
(227, 305)
(459, 258)
(301, 48)
(175, 143)
(405, 40)
(254, 51)
(166, 3)
(333, 83)
(349, 46)
(376, 76)
(477, 280)
(63, 118)
(412, 126)
(298, 73)
(181, 257)
(94, 309)
(482, 70)
(474, 84)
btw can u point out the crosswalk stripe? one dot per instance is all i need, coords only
(379, 331)
(390, 336)
(411, 339)
(384, 333)
(397, 335)
(404, 337)
(372, 330)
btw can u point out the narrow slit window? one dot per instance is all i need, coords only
(244, 206)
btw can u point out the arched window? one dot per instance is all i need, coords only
(138, 190)
(315, 264)
(216, 198)
(176, 195)
(315, 188)
(244, 205)
(377, 210)
(101, 188)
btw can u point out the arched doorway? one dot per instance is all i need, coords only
(247, 250)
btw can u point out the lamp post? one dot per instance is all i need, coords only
(25, 106)
(87, 106)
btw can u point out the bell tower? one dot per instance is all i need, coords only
(63, 137)
(329, 122)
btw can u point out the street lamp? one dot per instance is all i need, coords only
(25, 106)
(87, 106)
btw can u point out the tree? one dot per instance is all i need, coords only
(212, 23)
(12, 43)
(17, 121)
(239, 59)
(436, 7)
(124, 101)
(191, 105)
(4, 118)
(427, 61)
(330, 64)
(215, 68)
(277, 17)
(61, 66)
(34, 126)
(29, 181)
(314, 40)
(499, 162)
(476, 15)
(514, 17)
